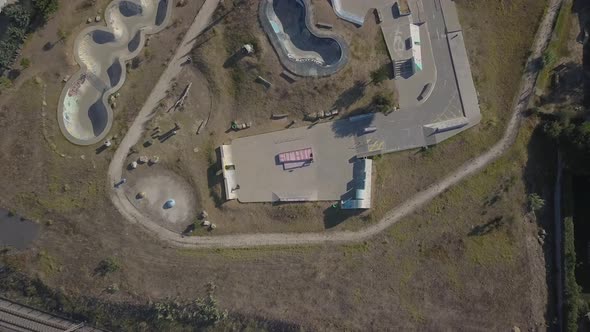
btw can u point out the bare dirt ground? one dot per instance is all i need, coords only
(438, 269)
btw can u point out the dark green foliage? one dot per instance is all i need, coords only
(18, 15)
(107, 265)
(536, 202)
(19, 20)
(572, 289)
(572, 133)
(383, 102)
(45, 8)
(379, 75)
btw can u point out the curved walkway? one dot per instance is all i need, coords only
(289, 239)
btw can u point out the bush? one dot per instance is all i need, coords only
(25, 63)
(199, 313)
(383, 102)
(379, 75)
(5, 83)
(107, 265)
(536, 203)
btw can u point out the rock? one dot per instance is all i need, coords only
(195, 150)
(89, 20)
(83, 157)
(154, 160)
(38, 80)
(44, 103)
(515, 329)
(213, 226)
(204, 214)
(206, 223)
(143, 159)
(97, 18)
(133, 165)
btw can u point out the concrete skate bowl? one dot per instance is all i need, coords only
(302, 49)
(84, 113)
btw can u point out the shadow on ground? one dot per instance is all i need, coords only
(334, 216)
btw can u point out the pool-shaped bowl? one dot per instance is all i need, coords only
(84, 114)
(302, 48)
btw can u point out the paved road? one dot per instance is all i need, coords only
(251, 240)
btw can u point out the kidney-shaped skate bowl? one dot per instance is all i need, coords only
(84, 114)
(302, 49)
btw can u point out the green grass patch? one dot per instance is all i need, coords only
(248, 253)
(557, 47)
(356, 248)
(491, 249)
(47, 263)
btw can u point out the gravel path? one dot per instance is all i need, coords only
(288, 239)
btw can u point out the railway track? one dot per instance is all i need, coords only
(16, 317)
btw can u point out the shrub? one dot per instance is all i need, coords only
(383, 102)
(379, 75)
(107, 265)
(25, 63)
(536, 203)
(5, 83)
(200, 312)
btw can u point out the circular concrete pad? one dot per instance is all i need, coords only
(160, 185)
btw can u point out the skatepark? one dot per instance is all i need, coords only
(437, 100)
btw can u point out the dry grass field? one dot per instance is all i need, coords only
(467, 261)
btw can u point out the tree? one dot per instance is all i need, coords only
(383, 102)
(45, 7)
(536, 203)
(19, 15)
(379, 75)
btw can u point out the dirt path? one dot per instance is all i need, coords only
(251, 240)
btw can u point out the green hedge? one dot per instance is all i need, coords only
(572, 289)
